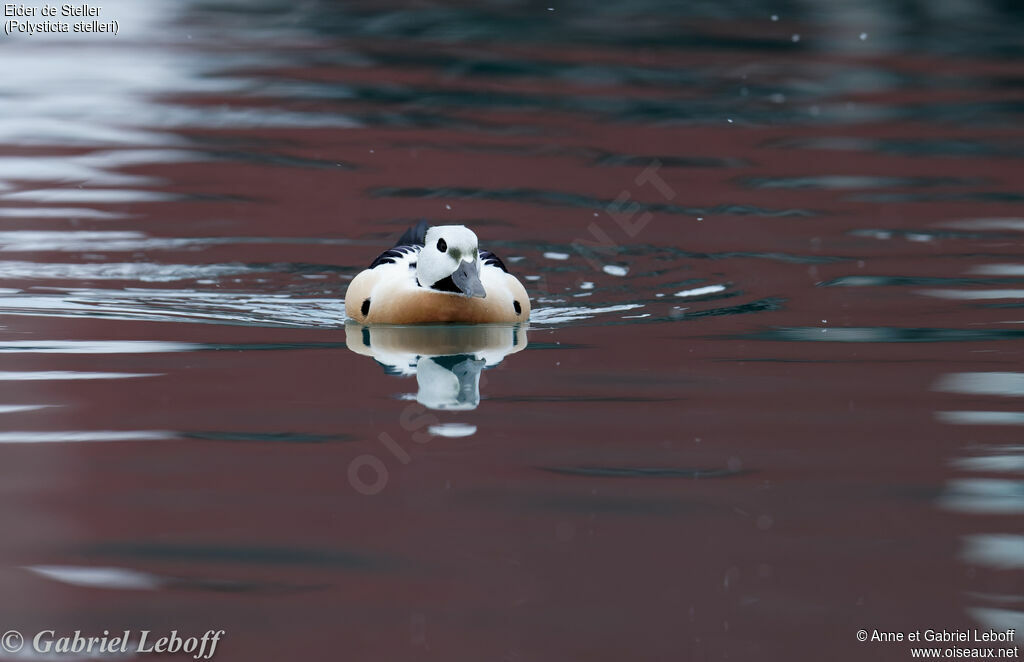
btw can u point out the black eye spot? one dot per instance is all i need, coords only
(442, 245)
(365, 307)
(519, 309)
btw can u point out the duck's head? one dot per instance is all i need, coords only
(450, 261)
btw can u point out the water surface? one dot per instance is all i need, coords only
(770, 393)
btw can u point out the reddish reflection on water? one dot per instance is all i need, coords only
(778, 404)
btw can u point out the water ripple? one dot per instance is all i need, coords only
(885, 334)
(642, 472)
(80, 436)
(247, 309)
(65, 375)
(143, 272)
(565, 199)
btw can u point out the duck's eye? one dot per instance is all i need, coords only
(442, 245)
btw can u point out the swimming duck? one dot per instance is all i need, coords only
(436, 274)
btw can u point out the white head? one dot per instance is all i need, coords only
(450, 261)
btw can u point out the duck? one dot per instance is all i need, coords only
(436, 274)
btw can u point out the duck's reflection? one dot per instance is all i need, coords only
(447, 360)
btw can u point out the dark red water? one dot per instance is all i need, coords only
(770, 394)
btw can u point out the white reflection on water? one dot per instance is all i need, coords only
(97, 168)
(42, 240)
(992, 496)
(565, 314)
(94, 195)
(447, 360)
(79, 436)
(446, 386)
(453, 430)
(973, 294)
(59, 212)
(152, 305)
(30, 653)
(50, 168)
(94, 347)
(127, 240)
(115, 578)
(145, 272)
(65, 375)
(983, 383)
(997, 550)
(998, 270)
(998, 619)
(981, 417)
(69, 95)
(837, 334)
(11, 409)
(987, 224)
(1010, 462)
(709, 289)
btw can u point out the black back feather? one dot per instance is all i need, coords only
(490, 258)
(392, 255)
(410, 240)
(415, 236)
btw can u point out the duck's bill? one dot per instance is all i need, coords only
(467, 279)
